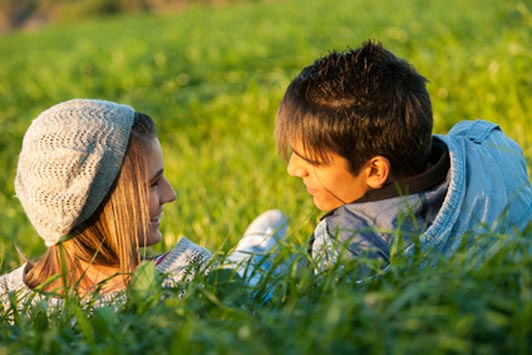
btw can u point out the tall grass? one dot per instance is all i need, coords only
(212, 79)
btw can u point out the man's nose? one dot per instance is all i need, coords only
(296, 166)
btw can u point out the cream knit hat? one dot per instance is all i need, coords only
(70, 156)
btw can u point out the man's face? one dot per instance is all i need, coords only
(331, 184)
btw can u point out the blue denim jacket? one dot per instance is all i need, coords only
(487, 189)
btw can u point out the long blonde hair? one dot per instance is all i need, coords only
(110, 237)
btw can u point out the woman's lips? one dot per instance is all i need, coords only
(156, 220)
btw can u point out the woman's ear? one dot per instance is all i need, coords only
(379, 170)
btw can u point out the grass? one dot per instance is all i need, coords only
(212, 79)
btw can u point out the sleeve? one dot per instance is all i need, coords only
(183, 262)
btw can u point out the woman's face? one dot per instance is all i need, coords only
(160, 191)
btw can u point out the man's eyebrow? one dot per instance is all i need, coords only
(307, 159)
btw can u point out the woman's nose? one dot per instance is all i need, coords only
(169, 195)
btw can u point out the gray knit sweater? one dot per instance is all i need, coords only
(176, 265)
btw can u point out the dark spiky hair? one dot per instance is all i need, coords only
(359, 104)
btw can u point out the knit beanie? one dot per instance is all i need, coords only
(71, 154)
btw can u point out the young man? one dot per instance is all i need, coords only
(356, 127)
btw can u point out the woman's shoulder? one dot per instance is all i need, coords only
(183, 260)
(13, 280)
(13, 283)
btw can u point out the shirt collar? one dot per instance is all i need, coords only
(439, 164)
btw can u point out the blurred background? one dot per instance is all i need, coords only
(32, 14)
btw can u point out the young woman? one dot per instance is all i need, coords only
(91, 180)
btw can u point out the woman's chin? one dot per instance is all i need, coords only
(154, 238)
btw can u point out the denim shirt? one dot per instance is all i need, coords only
(487, 189)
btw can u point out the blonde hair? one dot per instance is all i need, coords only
(110, 237)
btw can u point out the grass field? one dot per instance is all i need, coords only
(212, 78)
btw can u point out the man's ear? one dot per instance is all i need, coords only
(378, 171)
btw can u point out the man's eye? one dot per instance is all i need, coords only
(315, 163)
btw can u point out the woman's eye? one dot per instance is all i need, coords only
(155, 183)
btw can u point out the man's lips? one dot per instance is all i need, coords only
(310, 190)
